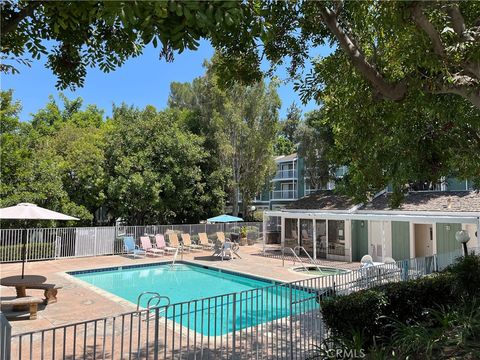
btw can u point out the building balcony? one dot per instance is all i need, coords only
(285, 174)
(284, 195)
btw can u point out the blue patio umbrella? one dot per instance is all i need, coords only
(224, 219)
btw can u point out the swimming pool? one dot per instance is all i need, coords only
(227, 300)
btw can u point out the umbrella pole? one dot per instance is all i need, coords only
(24, 250)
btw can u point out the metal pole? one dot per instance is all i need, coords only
(24, 250)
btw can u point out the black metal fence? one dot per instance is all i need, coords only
(281, 321)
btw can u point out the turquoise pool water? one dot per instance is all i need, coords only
(256, 301)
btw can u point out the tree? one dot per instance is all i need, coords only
(316, 142)
(240, 122)
(291, 123)
(420, 139)
(286, 139)
(55, 161)
(106, 33)
(401, 48)
(153, 167)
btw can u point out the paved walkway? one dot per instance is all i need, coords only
(78, 302)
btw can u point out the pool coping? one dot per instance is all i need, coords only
(292, 269)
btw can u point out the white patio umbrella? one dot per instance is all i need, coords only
(26, 211)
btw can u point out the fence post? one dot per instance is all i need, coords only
(5, 337)
(234, 323)
(155, 341)
(95, 243)
(291, 321)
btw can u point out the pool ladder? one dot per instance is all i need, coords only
(293, 251)
(153, 296)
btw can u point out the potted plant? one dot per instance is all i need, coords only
(243, 236)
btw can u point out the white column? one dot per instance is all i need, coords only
(412, 240)
(434, 235)
(298, 232)
(314, 235)
(348, 239)
(384, 247)
(282, 234)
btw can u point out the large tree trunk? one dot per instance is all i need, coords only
(236, 192)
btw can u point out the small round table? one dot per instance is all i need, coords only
(21, 285)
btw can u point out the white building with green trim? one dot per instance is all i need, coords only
(330, 226)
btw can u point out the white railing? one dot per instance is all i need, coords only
(56, 243)
(284, 195)
(286, 174)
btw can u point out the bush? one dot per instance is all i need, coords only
(368, 312)
(34, 251)
(466, 272)
(407, 301)
(357, 313)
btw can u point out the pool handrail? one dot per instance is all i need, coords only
(295, 255)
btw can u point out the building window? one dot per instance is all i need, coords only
(306, 235)
(336, 237)
(321, 233)
(291, 233)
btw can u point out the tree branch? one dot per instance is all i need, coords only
(458, 23)
(422, 22)
(12, 23)
(394, 92)
(469, 93)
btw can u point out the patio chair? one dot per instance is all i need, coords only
(203, 241)
(173, 242)
(149, 249)
(131, 248)
(227, 250)
(366, 260)
(160, 244)
(221, 237)
(187, 242)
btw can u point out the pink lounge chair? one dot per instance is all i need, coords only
(149, 249)
(160, 244)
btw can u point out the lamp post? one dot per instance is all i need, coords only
(462, 237)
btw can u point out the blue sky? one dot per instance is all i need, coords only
(141, 81)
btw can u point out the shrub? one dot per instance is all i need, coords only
(357, 313)
(466, 272)
(39, 250)
(370, 311)
(407, 301)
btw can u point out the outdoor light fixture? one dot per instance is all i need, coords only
(462, 237)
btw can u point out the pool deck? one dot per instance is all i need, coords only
(79, 302)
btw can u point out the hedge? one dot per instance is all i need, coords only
(34, 251)
(369, 312)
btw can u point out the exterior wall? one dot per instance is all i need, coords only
(301, 178)
(446, 241)
(400, 240)
(472, 229)
(359, 239)
(380, 240)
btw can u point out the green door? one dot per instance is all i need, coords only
(400, 240)
(359, 239)
(446, 241)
